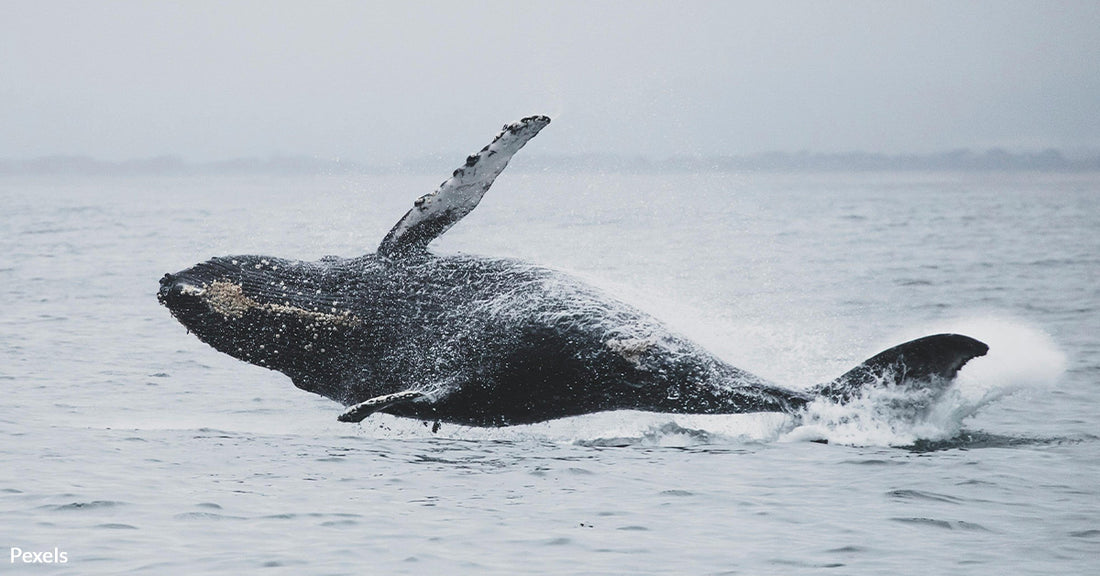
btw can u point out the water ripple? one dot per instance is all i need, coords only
(919, 495)
(93, 505)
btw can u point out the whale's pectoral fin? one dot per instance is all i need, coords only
(363, 409)
(929, 362)
(434, 213)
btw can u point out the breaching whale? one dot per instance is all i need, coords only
(487, 341)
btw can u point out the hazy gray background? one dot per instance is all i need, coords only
(379, 82)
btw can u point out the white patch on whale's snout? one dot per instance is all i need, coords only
(190, 290)
(229, 300)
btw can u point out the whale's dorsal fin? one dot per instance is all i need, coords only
(432, 214)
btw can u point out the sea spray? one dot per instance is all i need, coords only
(1020, 357)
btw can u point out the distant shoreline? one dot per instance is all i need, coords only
(994, 160)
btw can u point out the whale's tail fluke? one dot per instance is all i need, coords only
(927, 364)
(896, 397)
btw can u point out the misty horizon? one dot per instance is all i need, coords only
(384, 82)
(960, 159)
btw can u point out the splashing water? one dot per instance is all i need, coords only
(1020, 357)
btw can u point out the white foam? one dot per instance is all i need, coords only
(1020, 357)
(619, 428)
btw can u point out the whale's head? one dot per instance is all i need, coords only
(280, 314)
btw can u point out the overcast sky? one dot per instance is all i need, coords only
(382, 81)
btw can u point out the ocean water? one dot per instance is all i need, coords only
(129, 446)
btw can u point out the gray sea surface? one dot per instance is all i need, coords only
(129, 447)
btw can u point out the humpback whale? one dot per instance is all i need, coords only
(488, 341)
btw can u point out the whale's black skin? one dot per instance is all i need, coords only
(486, 341)
(490, 341)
